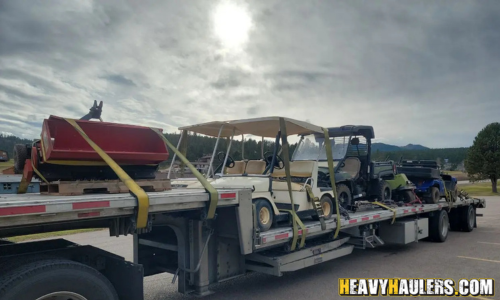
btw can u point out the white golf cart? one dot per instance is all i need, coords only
(266, 177)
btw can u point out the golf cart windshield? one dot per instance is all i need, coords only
(312, 147)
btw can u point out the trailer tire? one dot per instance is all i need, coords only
(467, 218)
(265, 214)
(439, 225)
(20, 156)
(45, 279)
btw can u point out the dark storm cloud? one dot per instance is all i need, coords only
(406, 68)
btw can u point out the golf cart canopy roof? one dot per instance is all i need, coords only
(263, 127)
(212, 129)
(346, 130)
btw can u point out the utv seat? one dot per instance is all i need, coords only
(238, 169)
(352, 166)
(255, 167)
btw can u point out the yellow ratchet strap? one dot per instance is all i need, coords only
(214, 195)
(329, 157)
(388, 208)
(448, 197)
(135, 189)
(285, 156)
(317, 206)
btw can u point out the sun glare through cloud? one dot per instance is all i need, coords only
(232, 24)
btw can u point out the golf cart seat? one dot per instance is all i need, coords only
(297, 169)
(255, 167)
(303, 169)
(239, 168)
(352, 166)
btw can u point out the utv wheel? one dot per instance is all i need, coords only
(439, 226)
(435, 196)
(20, 156)
(264, 214)
(55, 279)
(344, 195)
(327, 205)
(383, 191)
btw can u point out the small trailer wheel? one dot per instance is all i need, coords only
(439, 225)
(467, 218)
(55, 279)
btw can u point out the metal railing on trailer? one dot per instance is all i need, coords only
(277, 236)
(25, 210)
(272, 253)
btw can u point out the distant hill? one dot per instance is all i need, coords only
(386, 147)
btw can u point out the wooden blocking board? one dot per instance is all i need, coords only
(70, 188)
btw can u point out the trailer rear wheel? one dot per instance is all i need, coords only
(439, 225)
(55, 279)
(467, 218)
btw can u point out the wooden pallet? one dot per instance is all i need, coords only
(71, 188)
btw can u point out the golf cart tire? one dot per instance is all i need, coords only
(383, 188)
(261, 204)
(434, 197)
(437, 223)
(20, 157)
(328, 215)
(342, 188)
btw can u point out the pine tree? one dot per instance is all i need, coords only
(483, 157)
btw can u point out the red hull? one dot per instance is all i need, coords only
(126, 144)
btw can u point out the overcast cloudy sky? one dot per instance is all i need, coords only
(424, 72)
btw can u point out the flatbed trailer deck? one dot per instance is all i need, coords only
(181, 241)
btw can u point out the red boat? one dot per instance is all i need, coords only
(63, 154)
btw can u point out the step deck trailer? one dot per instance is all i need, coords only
(181, 241)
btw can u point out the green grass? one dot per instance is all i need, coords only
(6, 164)
(459, 175)
(478, 189)
(29, 237)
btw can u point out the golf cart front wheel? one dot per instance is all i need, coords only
(264, 214)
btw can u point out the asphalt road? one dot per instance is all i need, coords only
(463, 255)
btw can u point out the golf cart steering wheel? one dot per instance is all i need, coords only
(230, 161)
(269, 159)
